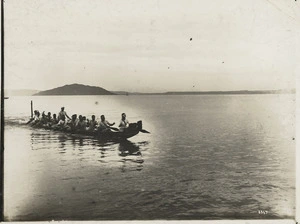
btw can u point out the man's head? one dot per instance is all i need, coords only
(63, 108)
(74, 116)
(93, 117)
(123, 116)
(102, 118)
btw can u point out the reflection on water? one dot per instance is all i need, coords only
(130, 153)
(131, 156)
(128, 148)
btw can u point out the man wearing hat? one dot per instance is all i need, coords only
(63, 113)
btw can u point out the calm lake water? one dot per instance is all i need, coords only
(207, 157)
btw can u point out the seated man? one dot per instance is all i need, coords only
(43, 120)
(85, 121)
(81, 124)
(36, 118)
(54, 120)
(73, 123)
(104, 125)
(49, 118)
(124, 123)
(62, 124)
(92, 124)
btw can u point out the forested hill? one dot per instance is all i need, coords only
(75, 89)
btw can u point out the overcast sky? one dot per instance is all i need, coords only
(146, 46)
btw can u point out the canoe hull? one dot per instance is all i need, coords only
(132, 130)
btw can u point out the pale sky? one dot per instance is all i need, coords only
(144, 45)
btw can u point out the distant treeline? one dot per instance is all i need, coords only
(240, 92)
(79, 89)
(233, 92)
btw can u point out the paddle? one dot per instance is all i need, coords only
(115, 129)
(144, 131)
(28, 122)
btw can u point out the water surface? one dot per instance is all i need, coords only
(207, 157)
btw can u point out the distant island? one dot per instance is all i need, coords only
(75, 89)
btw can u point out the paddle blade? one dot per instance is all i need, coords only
(144, 131)
(115, 129)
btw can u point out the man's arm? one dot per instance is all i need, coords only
(110, 124)
(67, 116)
